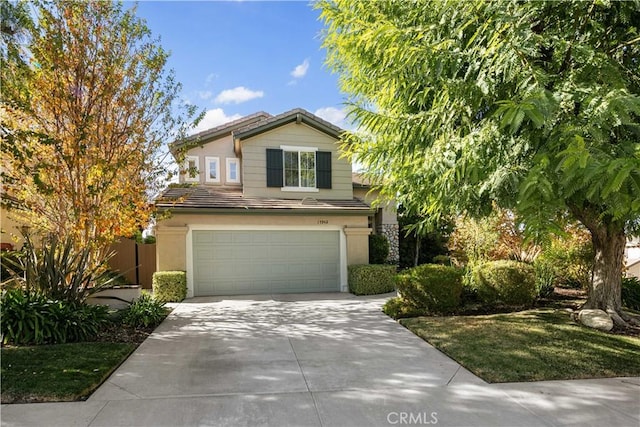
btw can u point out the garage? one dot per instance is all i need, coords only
(236, 262)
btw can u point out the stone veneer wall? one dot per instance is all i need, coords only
(392, 233)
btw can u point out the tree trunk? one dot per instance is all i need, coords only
(604, 292)
(609, 239)
(416, 254)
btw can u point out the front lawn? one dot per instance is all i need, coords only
(61, 372)
(533, 345)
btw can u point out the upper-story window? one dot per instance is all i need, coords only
(299, 168)
(192, 167)
(233, 171)
(212, 169)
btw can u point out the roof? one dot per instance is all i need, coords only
(359, 180)
(297, 115)
(222, 130)
(198, 198)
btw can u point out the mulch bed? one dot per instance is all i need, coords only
(125, 334)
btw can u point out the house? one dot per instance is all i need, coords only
(269, 208)
(632, 258)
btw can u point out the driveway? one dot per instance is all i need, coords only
(316, 359)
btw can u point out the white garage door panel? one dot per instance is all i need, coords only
(254, 262)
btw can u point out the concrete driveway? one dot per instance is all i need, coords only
(316, 359)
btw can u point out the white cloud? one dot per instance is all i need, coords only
(333, 115)
(238, 95)
(213, 118)
(300, 70)
(210, 78)
(205, 94)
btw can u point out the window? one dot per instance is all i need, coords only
(212, 169)
(299, 168)
(192, 169)
(233, 171)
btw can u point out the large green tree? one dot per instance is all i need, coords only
(534, 106)
(87, 106)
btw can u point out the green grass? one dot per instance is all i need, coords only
(533, 345)
(62, 372)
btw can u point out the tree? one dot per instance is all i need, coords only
(533, 106)
(84, 127)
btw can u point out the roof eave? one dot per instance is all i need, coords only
(208, 135)
(297, 117)
(278, 211)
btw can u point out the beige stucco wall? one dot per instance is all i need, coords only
(254, 158)
(357, 245)
(295, 219)
(389, 212)
(170, 248)
(10, 228)
(222, 149)
(634, 270)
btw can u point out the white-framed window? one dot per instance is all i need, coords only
(233, 170)
(212, 169)
(299, 168)
(192, 169)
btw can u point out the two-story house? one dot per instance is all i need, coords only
(271, 209)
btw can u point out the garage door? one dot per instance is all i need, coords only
(262, 262)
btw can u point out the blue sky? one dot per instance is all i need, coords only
(238, 57)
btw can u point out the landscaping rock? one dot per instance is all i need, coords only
(597, 319)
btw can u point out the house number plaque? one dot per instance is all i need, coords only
(323, 221)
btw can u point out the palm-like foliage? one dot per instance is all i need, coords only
(56, 269)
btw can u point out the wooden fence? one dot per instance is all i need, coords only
(136, 262)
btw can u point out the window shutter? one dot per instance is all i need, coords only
(274, 167)
(323, 169)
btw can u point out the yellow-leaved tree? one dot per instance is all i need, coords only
(87, 107)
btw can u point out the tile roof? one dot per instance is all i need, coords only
(359, 180)
(295, 115)
(217, 198)
(224, 129)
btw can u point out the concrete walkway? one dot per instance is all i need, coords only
(316, 360)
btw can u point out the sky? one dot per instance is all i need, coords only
(236, 58)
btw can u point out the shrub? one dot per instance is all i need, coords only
(631, 293)
(10, 269)
(112, 278)
(378, 249)
(436, 288)
(397, 308)
(371, 279)
(145, 311)
(169, 286)
(442, 259)
(59, 271)
(32, 318)
(545, 278)
(10, 265)
(571, 258)
(505, 282)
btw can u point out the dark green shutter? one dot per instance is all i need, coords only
(274, 167)
(323, 169)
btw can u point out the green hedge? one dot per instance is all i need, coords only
(169, 286)
(505, 282)
(398, 308)
(631, 293)
(432, 287)
(371, 279)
